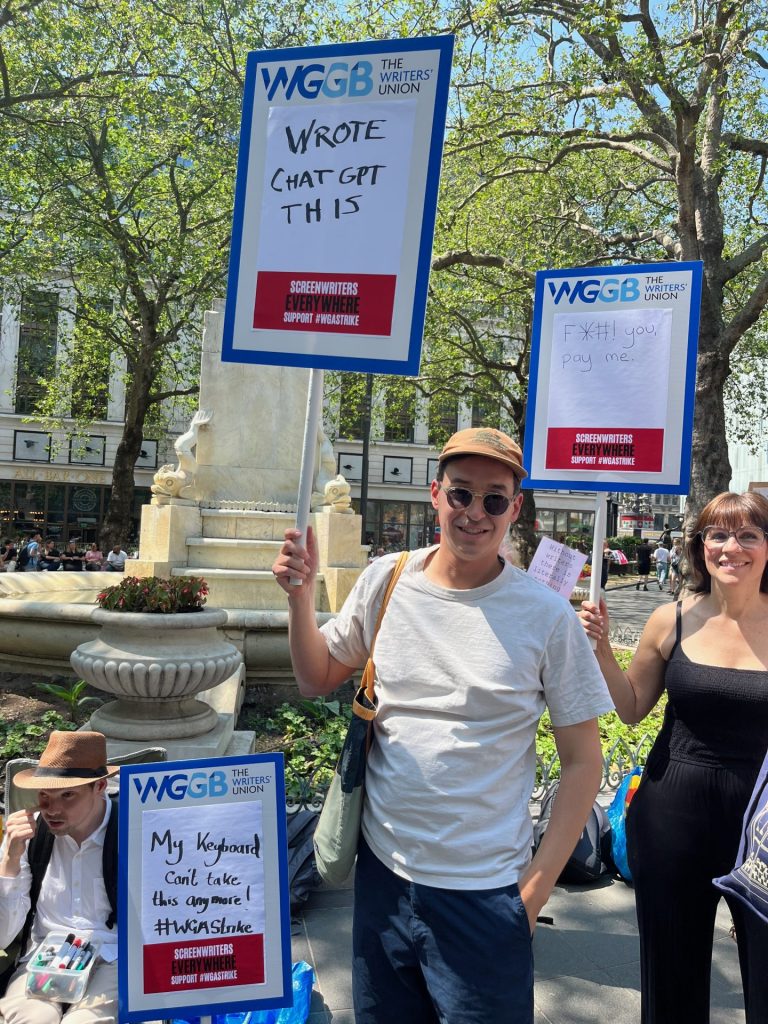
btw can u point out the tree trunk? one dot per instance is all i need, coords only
(116, 528)
(523, 535)
(710, 466)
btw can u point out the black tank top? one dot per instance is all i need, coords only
(714, 716)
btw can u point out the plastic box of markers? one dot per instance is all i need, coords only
(60, 967)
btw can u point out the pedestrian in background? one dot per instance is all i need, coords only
(661, 558)
(8, 556)
(116, 559)
(675, 566)
(93, 558)
(72, 558)
(643, 553)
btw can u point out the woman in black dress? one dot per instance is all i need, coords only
(710, 653)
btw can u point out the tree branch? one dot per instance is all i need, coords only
(752, 254)
(467, 258)
(748, 315)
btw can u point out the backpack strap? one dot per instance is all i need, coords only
(109, 861)
(39, 852)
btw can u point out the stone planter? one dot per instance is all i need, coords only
(154, 665)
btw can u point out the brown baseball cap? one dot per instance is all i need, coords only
(70, 759)
(487, 441)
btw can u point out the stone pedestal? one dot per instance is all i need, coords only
(164, 533)
(223, 739)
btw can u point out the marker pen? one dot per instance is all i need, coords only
(84, 949)
(74, 952)
(63, 954)
(86, 959)
(45, 956)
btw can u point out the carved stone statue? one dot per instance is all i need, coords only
(178, 482)
(328, 487)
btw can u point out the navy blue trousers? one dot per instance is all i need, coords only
(423, 955)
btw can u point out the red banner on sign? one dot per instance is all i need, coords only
(610, 449)
(327, 303)
(189, 964)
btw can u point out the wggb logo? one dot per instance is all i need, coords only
(180, 785)
(607, 289)
(312, 80)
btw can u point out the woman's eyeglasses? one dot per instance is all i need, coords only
(746, 537)
(495, 504)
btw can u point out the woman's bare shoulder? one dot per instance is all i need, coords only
(661, 627)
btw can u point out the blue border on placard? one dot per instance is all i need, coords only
(630, 486)
(183, 1012)
(410, 365)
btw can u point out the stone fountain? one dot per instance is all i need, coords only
(220, 513)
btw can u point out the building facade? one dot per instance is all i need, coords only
(60, 487)
(402, 461)
(51, 483)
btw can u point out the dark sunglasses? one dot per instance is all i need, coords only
(495, 504)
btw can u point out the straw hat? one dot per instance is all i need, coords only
(70, 759)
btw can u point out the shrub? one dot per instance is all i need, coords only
(25, 739)
(312, 734)
(627, 544)
(155, 594)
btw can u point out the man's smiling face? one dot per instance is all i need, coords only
(471, 534)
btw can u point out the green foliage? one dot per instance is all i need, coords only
(70, 694)
(627, 544)
(613, 731)
(155, 594)
(311, 737)
(21, 739)
(130, 180)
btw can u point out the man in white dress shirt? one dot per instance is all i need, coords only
(73, 807)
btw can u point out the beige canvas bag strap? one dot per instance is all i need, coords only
(369, 672)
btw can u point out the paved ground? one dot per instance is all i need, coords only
(587, 967)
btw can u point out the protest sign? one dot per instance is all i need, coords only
(335, 204)
(203, 889)
(611, 392)
(556, 566)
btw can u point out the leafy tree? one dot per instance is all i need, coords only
(664, 107)
(48, 50)
(591, 133)
(137, 181)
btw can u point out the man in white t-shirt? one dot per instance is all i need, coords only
(470, 652)
(661, 557)
(116, 559)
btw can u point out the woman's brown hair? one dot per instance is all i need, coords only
(730, 511)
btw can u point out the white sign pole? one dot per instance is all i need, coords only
(308, 453)
(598, 537)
